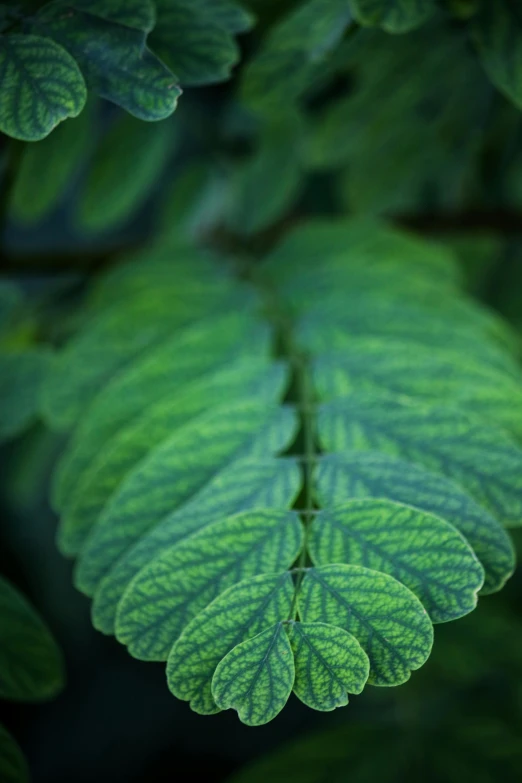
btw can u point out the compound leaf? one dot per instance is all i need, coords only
(238, 614)
(171, 590)
(374, 474)
(329, 664)
(31, 664)
(256, 677)
(114, 58)
(41, 86)
(421, 550)
(385, 617)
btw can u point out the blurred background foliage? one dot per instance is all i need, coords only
(324, 118)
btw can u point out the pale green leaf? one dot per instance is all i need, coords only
(256, 677)
(362, 474)
(420, 550)
(385, 617)
(245, 484)
(329, 664)
(158, 422)
(173, 471)
(41, 86)
(238, 614)
(170, 591)
(444, 439)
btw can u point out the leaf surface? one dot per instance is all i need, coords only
(394, 16)
(385, 617)
(237, 615)
(420, 550)
(373, 474)
(41, 86)
(329, 664)
(172, 589)
(256, 677)
(31, 663)
(13, 767)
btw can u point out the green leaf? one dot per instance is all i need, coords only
(138, 14)
(195, 452)
(420, 550)
(125, 330)
(239, 613)
(13, 767)
(265, 186)
(256, 677)
(228, 14)
(30, 662)
(329, 664)
(292, 53)
(171, 590)
(443, 375)
(377, 475)
(394, 16)
(497, 32)
(114, 59)
(243, 485)
(102, 475)
(193, 42)
(171, 473)
(113, 190)
(446, 440)
(22, 376)
(389, 622)
(48, 169)
(41, 86)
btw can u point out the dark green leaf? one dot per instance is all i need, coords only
(497, 31)
(41, 86)
(13, 767)
(394, 16)
(31, 666)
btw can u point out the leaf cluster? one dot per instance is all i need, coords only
(281, 477)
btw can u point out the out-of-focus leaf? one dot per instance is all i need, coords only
(13, 767)
(394, 16)
(497, 31)
(126, 166)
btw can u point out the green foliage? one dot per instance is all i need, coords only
(31, 663)
(394, 16)
(497, 31)
(23, 363)
(42, 85)
(13, 767)
(280, 479)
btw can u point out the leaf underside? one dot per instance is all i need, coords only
(282, 483)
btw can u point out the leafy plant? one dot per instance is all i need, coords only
(31, 669)
(282, 477)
